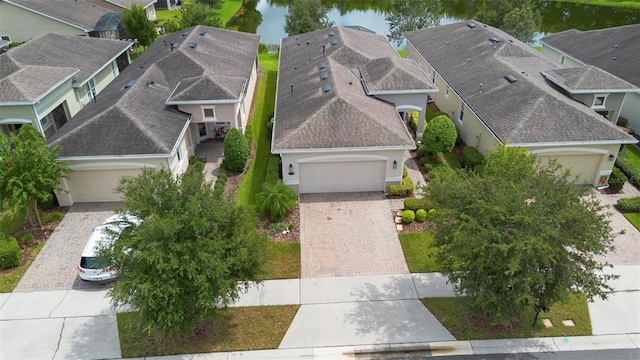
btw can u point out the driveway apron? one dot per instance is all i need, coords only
(56, 266)
(349, 234)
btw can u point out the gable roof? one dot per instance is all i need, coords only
(31, 70)
(527, 110)
(321, 102)
(587, 79)
(131, 116)
(615, 50)
(393, 73)
(82, 14)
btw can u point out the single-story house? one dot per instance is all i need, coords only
(615, 50)
(46, 81)
(500, 90)
(21, 20)
(186, 87)
(338, 123)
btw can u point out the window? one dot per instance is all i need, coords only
(113, 69)
(208, 113)
(446, 91)
(90, 89)
(5, 37)
(179, 155)
(461, 115)
(562, 59)
(433, 78)
(599, 101)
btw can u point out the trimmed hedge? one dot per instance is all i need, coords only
(10, 254)
(273, 170)
(414, 116)
(471, 157)
(236, 151)
(421, 215)
(627, 205)
(405, 189)
(617, 179)
(416, 204)
(408, 216)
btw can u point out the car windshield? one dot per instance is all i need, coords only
(92, 263)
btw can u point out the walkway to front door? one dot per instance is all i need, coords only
(349, 234)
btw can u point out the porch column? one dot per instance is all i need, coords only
(420, 128)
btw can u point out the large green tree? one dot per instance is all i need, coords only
(197, 13)
(518, 233)
(192, 253)
(440, 135)
(216, 4)
(138, 26)
(305, 16)
(29, 171)
(520, 18)
(407, 15)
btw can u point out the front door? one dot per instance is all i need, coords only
(204, 131)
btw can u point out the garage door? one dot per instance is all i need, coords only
(348, 176)
(585, 167)
(96, 185)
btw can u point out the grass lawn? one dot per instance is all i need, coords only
(229, 8)
(633, 154)
(621, 3)
(263, 106)
(402, 53)
(237, 329)
(284, 260)
(11, 278)
(634, 218)
(419, 252)
(455, 315)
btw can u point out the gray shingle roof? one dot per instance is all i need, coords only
(209, 87)
(394, 73)
(307, 117)
(587, 79)
(615, 50)
(31, 70)
(528, 110)
(81, 13)
(135, 120)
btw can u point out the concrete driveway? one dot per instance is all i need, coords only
(349, 234)
(56, 266)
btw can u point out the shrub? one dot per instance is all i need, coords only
(276, 200)
(196, 164)
(12, 221)
(425, 161)
(273, 170)
(631, 204)
(10, 254)
(405, 189)
(471, 157)
(236, 151)
(421, 152)
(427, 166)
(405, 172)
(47, 204)
(622, 121)
(416, 204)
(617, 179)
(432, 211)
(434, 115)
(629, 169)
(262, 48)
(440, 136)
(421, 215)
(408, 216)
(248, 135)
(51, 217)
(25, 238)
(269, 127)
(414, 116)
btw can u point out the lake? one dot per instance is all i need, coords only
(267, 18)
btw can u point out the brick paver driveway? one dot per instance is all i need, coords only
(349, 234)
(55, 267)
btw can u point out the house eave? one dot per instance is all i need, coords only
(567, 143)
(203, 102)
(337, 150)
(180, 137)
(114, 157)
(401, 92)
(37, 100)
(93, 75)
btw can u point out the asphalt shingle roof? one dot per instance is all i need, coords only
(528, 110)
(135, 120)
(308, 117)
(615, 50)
(587, 78)
(394, 73)
(30, 70)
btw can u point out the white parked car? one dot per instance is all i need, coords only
(91, 269)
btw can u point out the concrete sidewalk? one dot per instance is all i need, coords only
(338, 317)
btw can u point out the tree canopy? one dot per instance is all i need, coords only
(305, 16)
(520, 18)
(407, 15)
(192, 253)
(197, 13)
(518, 234)
(29, 170)
(138, 26)
(440, 135)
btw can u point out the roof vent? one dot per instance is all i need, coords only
(324, 75)
(326, 88)
(494, 40)
(471, 25)
(174, 45)
(308, 42)
(334, 41)
(185, 33)
(332, 33)
(193, 44)
(511, 78)
(202, 32)
(129, 83)
(322, 65)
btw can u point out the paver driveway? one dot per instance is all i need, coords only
(56, 266)
(349, 234)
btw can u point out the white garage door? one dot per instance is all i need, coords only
(348, 176)
(585, 167)
(96, 185)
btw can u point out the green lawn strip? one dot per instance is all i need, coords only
(402, 53)
(452, 160)
(236, 329)
(284, 260)
(633, 154)
(620, 3)
(455, 314)
(164, 15)
(264, 104)
(228, 10)
(419, 252)
(10, 278)
(634, 219)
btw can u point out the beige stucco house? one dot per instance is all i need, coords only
(338, 125)
(22, 20)
(185, 88)
(48, 80)
(500, 90)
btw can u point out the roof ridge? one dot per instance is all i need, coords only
(140, 126)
